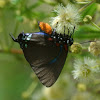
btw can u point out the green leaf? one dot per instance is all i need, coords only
(14, 2)
(19, 18)
(90, 10)
(87, 32)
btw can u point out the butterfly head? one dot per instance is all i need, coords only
(20, 37)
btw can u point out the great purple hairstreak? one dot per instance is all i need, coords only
(45, 51)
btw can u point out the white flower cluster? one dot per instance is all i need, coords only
(67, 17)
(85, 69)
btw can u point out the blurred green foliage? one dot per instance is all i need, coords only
(17, 80)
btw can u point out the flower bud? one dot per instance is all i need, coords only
(76, 48)
(87, 19)
(81, 87)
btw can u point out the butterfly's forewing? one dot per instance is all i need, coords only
(39, 51)
(45, 58)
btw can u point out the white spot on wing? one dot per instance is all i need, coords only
(29, 37)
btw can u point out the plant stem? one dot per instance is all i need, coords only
(5, 40)
(95, 25)
(84, 7)
(30, 90)
(82, 3)
(13, 51)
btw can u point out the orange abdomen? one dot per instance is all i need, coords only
(45, 27)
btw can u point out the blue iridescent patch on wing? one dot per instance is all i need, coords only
(29, 35)
(41, 33)
(55, 59)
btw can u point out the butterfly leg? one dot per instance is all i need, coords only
(13, 38)
(54, 30)
(68, 31)
(72, 32)
(64, 30)
(73, 29)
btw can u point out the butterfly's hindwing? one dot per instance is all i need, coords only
(48, 73)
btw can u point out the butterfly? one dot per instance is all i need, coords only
(45, 51)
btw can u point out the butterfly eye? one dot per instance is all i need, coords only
(21, 37)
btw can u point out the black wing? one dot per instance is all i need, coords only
(45, 58)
